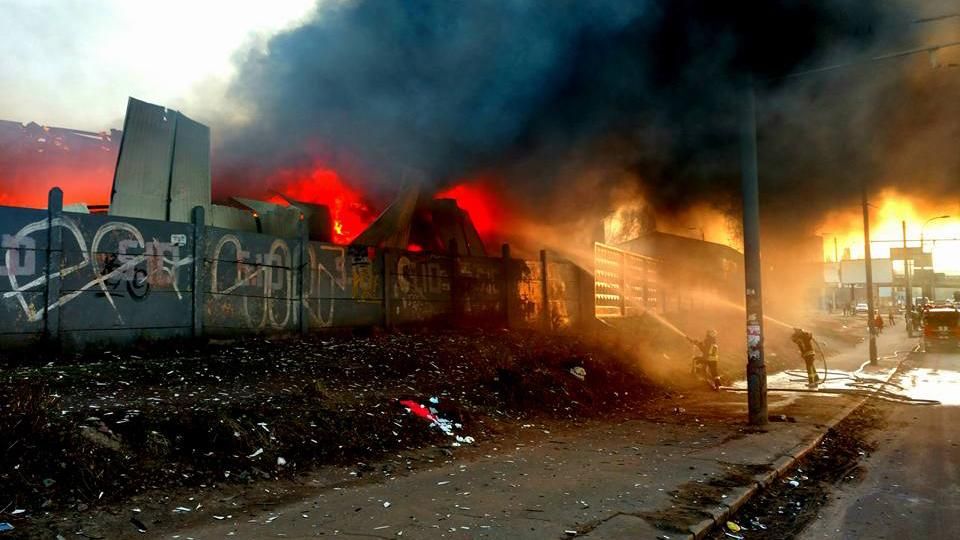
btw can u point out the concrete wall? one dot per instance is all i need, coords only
(78, 279)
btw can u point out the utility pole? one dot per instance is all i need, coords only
(756, 370)
(836, 258)
(868, 265)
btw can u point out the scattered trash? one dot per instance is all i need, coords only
(794, 483)
(733, 527)
(679, 410)
(47, 482)
(18, 511)
(570, 533)
(257, 453)
(418, 410)
(281, 462)
(386, 504)
(4, 527)
(434, 401)
(579, 372)
(446, 426)
(731, 535)
(141, 528)
(181, 509)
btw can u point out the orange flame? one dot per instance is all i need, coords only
(479, 199)
(348, 208)
(888, 211)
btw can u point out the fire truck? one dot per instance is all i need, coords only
(940, 328)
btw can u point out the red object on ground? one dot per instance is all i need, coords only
(418, 410)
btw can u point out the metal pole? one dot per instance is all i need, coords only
(933, 276)
(906, 270)
(756, 370)
(836, 259)
(868, 266)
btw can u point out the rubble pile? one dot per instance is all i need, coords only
(85, 431)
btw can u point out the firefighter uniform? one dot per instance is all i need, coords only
(710, 356)
(804, 341)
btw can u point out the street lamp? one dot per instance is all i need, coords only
(933, 277)
(925, 225)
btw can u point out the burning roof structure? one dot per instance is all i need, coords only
(162, 172)
(36, 158)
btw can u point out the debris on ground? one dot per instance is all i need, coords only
(786, 508)
(579, 372)
(89, 431)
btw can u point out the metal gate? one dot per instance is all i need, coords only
(625, 284)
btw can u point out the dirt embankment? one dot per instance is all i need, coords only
(81, 434)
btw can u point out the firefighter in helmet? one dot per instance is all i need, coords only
(709, 357)
(804, 341)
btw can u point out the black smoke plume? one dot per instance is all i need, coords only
(537, 92)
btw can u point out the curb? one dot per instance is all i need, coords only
(779, 469)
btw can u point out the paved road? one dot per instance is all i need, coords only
(912, 484)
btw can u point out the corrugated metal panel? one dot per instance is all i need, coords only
(190, 178)
(228, 217)
(275, 219)
(142, 179)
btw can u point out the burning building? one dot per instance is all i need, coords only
(35, 158)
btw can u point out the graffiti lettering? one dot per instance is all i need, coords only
(266, 284)
(107, 268)
(321, 275)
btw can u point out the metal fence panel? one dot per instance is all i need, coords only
(142, 180)
(190, 170)
(625, 284)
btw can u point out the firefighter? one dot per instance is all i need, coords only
(709, 357)
(804, 341)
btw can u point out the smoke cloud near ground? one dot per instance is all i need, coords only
(562, 101)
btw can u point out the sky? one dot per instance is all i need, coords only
(72, 63)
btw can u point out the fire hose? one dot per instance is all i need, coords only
(860, 385)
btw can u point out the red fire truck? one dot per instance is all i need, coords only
(940, 328)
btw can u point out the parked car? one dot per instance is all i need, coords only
(940, 329)
(861, 309)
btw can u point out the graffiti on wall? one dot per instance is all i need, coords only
(481, 286)
(254, 282)
(134, 274)
(261, 283)
(117, 262)
(421, 286)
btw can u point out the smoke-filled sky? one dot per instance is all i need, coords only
(544, 94)
(72, 63)
(557, 100)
